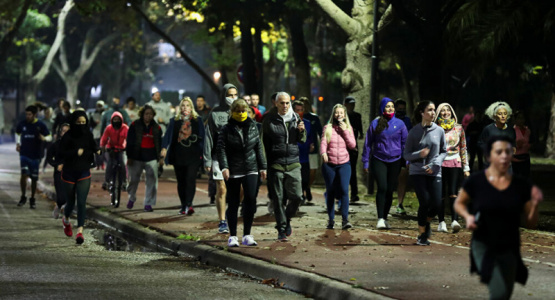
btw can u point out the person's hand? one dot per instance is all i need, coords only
(18, 147)
(99, 151)
(161, 162)
(365, 170)
(163, 152)
(311, 148)
(471, 223)
(160, 120)
(424, 152)
(325, 158)
(342, 125)
(536, 195)
(80, 152)
(429, 171)
(263, 175)
(300, 126)
(60, 167)
(225, 173)
(42, 138)
(208, 169)
(466, 174)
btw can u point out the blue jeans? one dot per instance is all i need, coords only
(343, 174)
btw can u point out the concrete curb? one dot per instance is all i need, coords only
(307, 283)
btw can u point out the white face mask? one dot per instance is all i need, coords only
(229, 100)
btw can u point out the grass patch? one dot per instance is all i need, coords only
(188, 237)
(542, 161)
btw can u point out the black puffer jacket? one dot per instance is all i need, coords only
(280, 141)
(240, 149)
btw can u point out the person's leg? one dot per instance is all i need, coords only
(109, 172)
(392, 177)
(151, 182)
(250, 183)
(60, 196)
(503, 276)
(305, 175)
(329, 177)
(181, 185)
(379, 171)
(211, 188)
(453, 189)
(353, 158)
(275, 190)
(293, 190)
(402, 186)
(471, 157)
(221, 192)
(446, 179)
(190, 183)
(135, 170)
(233, 190)
(69, 189)
(343, 172)
(23, 184)
(82, 188)
(423, 195)
(434, 189)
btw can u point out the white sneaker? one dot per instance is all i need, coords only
(442, 227)
(455, 226)
(248, 240)
(387, 225)
(56, 212)
(381, 224)
(233, 241)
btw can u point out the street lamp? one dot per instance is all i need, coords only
(217, 76)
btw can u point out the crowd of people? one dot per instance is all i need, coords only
(240, 143)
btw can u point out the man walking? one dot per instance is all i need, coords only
(30, 134)
(281, 131)
(163, 112)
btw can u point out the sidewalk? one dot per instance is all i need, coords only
(373, 262)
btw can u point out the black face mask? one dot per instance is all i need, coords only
(77, 130)
(117, 125)
(400, 113)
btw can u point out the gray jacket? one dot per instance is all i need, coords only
(217, 119)
(163, 111)
(432, 137)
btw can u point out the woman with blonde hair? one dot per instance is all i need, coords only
(336, 138)
(182, 147)
(500, 112)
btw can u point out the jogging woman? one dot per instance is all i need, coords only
(182, 147)
(241, 158)
(454, 164)
(77, 150)
(337, 137)
(425, 150)
(493, 203)
(53, 157)
(500, 112)
(383, 149)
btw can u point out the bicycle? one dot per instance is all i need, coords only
(118, 175)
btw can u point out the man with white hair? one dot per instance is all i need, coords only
(282, 129)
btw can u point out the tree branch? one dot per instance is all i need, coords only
(37, 78)
(87, 62)
(348, 24)
(7, 40)
(184, 55)
(62, 56)
(58, 70)
(85, 49)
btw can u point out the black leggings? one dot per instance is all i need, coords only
(186, 183)
(451, 178)
(428, 192)
(386, 176)
(305, 176)
(58, 186)
(522, 168)
(250, 187)
(77, 191)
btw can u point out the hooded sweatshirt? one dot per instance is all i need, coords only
(115, 138)
(77, 137)
(387, 145)
(455, 139)
(419, 137)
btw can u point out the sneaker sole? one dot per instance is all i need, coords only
(456, 229)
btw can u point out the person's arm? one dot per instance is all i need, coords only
(208, 142)
(126, 117)
(461, 207)
(51, 155)
(358, 127)
(168, 135)
(221, 149)
(124, 130)
(131, 142)
(436, 163)
(410, 153)
(266, 139)
(531, 213)
(201, 132)
(464, 153)
(105, 137)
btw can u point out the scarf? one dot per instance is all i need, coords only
(446, 124)
(186, 129)
(289, 115)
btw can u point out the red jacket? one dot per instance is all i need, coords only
(115, 138)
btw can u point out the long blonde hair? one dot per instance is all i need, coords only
(329, 127)
(194, 114)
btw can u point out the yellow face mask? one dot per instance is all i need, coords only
(239, 116)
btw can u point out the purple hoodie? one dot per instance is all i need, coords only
(387, 145)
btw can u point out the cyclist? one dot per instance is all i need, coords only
(114, 139)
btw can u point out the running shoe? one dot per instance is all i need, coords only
(79, 239)
(423, 240)
(130, 204)
(22, 201)
(308, 195)
(401, 210)
(190, 210)
(67, 227)
(381, 224)
(183, 211)
(282, 237)
(442, 227)
(354, 199)
(288, 229)
(32, 203)
(56, 212)
(233, 241)
(387, 225)
(222, 227)
(330, 224)
(346, 225)
(455, 226)
(148, 208)
(248, 240)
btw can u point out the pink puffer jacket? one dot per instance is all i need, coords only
(336, 148)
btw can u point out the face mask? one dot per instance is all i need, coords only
(400, 113)
(301, 114)
(117, 125)
(239, 116)
(388, 116)
(230, 100)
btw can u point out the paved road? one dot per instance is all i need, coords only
(37, 261)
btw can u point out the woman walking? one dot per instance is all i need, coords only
(383, 150)
(337, 137)
(425, 150)
(242, 160)
(493, 203)
(182, 147)
(500, 112)
(77, 149)
(53, 157)
(454, 164)
(521, 159)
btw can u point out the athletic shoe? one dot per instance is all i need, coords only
(288, 229)
(56, 212)
(148, 208)
(130, 204)
(32, 203)
(105, 185)
(346, 225)
(222, 228)
(183, 211)
(387, 225)
(308, 195)
(190, 210)
(22, 201)
(423, 240)
(381, 224)
(282, 237)
(354, 199)
(428, 230)
(330, 224)
(442, 227)
(67, 228)
(233, 241)
(79, 239)
(455, 226)
(401, 210)
(116, 203)
(248, 240)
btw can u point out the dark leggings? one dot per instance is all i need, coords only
(250, 185)
(451, 178)
(386, 176)
(428, 192)
(58, 186)
(186, 183)
(474, 152)
(77, 191)
(522, 168)
(341, 173)
(305, 177)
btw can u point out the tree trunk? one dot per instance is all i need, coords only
(247, 55)
(300, 55)
(72, 88)
(550, 145)
(259, 61)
